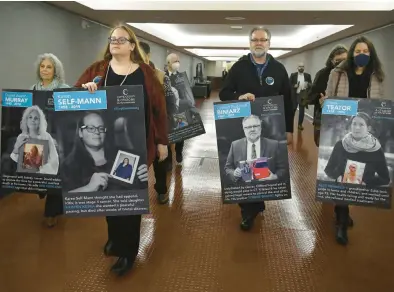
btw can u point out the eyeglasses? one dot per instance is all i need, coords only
(252, 127)
(92, 129)
(120, 40)
(259, 40)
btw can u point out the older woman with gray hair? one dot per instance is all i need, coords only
(50, 73)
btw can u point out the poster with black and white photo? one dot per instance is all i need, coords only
(29, 145)
(186, 122)
(252, 150)
(103, 160)
(356, 152)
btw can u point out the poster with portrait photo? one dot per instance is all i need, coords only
(356, 152)
(104, 160)
(29, 145)
(252, 150)
(186, 123)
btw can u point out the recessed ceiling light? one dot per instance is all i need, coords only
(234, 18)
(236, 27)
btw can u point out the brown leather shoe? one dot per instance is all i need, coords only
(50, 222)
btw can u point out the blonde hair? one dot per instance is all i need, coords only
(42, 128)
(137, 55)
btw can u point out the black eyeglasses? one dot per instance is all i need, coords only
(121, 40)
(93, 129)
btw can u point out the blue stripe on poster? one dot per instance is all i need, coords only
(340, 107)
(80, 100)
(232, 110)
(16, 99)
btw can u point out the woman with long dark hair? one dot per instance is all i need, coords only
(124, 64)
(359, 76)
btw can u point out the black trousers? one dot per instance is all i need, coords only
(124, 233)
(251, 210)
(53, 205)
(178, 149)
(342, 214)
(160, 169)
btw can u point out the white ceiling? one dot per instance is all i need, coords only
(203, 28)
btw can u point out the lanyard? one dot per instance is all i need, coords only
(261, 70)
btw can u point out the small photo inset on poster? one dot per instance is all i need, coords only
(247, 170)
(354, 172)
(180, 120)
(32, 156)
(125, 167)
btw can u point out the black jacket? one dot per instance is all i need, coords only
(242, 78)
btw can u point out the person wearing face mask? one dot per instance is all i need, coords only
(256, 75)
(319, 85)
(173, 66)
(300, 82)
(359, 76)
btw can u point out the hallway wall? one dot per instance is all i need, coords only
(28, 29)
(314, 60)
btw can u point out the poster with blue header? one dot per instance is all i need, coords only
(356, 152)
(103, 157)
(29, 145)
(252, 150)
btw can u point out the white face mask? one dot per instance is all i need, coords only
(175, 66)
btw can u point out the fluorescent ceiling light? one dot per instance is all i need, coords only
(172, 34)
(231, 53)
(232, 5)
(222, 58)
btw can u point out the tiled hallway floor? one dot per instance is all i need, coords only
(194, 244)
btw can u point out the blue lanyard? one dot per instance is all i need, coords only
(260, 71)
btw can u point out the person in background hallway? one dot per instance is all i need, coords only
(242, 83)
(224, 74)
(124, 64)
(173, 66)
(170, 99)
(300, 82)
(319, 85)
(50, 75)
(359, 76)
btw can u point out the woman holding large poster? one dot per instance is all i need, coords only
(359, 76)
(124, 64)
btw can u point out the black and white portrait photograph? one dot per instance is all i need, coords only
(91, 161)
(358, 150)
(28, 144)
(252, 149)
(124, 166)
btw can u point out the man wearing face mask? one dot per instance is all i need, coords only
(172, 69)
(256, 75)
(300, 82)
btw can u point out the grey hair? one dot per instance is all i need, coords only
(42, 128)
(169, 57)
(260, 28)
(249, 117)
(57, 65)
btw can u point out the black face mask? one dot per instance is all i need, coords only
(301, 70)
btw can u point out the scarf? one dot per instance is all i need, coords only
(368, 144)
(53, 85)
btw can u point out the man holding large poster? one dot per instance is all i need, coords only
(103, 164)
(256, 75)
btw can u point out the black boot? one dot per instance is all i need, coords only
(349, 224)
(341, 235)
(108, 248)
(122, 266)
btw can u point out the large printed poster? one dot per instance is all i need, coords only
(103, 151)
(356, 153)
(29, 144)
(252, 147)
(186, 123)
